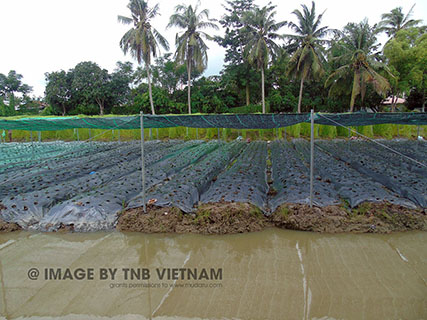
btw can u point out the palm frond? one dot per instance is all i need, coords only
(337, 74)
(409, 13)
(206, 25)
(262, 33)
(142, 41)
(190, 46)
(395, 20)
(124, 20)
(160, 39)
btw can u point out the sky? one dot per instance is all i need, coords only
(51, 35)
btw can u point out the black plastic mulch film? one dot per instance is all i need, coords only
(234, 121)
(44, 193)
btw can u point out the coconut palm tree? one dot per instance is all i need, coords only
(391, 24)
(357, 56)
(307, 60)
(191, 48)
(262, 29)
(396, 20)
(142, 40)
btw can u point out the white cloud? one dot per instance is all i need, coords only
(48, 35)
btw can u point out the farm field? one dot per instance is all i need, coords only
(44, 186)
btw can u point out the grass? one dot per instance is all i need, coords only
(202, 216)
(363, 208)
(386, 131)
(366, 131)
(255, 211)
(284, 211)
(366, 209)
(328, 132)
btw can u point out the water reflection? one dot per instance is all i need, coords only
(274, 274)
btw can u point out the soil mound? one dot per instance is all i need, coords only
(212, 218)
(228, 217)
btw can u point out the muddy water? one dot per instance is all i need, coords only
(274, 274)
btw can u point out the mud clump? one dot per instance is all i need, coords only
(65, 228)
(8, 226)
(215, 218)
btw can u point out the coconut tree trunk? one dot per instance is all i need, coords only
(353, 92)
(262, 89)
(248, 102)
(150, 93)
(189, 85)
(300, 94)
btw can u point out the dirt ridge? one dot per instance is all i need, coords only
(228, 218)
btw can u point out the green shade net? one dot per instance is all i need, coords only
(365, 119)
(234, 121)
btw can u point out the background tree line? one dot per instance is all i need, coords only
(265, 69)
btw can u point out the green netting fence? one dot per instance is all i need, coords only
(233, 121)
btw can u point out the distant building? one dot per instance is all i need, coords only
(391, 99)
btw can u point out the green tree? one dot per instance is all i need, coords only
(91, 84)
(357, 57)
(308, 58)
(419, 70)
(394, 21)
(191, 48)
(121, 79)
(417, 99)
(242, 81)
(11, 85)
(58, 91)
(142, 40)
(284, 97)
(209, 95)
(30, 105)
(261, 47)
(167, 73)
(407, 56)
(238, 69)
(161, 100)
